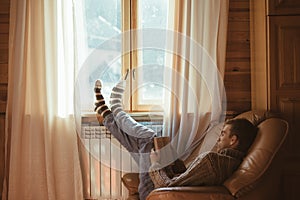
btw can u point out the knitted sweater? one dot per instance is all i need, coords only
(208, 168)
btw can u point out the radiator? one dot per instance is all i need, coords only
(104, 161)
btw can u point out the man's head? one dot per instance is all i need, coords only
(237, 134)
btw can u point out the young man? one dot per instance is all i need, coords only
(211, 168)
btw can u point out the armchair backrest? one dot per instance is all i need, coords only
(271, 134)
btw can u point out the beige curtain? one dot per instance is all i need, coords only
(42, 159)
(197, 98)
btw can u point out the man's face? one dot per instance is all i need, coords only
(224, 140)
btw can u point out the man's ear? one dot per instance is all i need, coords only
(233, 140)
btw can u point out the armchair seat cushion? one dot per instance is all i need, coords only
(191, 192)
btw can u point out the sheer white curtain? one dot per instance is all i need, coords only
(197, 96)
(42, 159)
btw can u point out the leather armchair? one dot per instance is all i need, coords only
(256, 178)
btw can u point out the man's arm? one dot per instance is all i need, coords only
(200, 172)
(207, 169)
(159, 176)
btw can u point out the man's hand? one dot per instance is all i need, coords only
(154, 156)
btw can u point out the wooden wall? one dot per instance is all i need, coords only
(4, 27)
(237, 75)
(237, 71)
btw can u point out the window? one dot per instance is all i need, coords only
(103, 24)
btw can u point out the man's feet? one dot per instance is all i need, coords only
(100, 107)
(116, 97)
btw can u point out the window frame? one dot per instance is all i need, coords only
(130, 61)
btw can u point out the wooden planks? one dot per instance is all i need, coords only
(4, 35)
(4, 6)
(237, 78)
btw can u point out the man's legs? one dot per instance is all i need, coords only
(136, 138)
(125, 121)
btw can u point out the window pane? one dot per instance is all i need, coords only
(153, 15)
(102, 24)
(152, 75)
(103, 20)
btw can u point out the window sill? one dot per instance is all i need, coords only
(138, 116)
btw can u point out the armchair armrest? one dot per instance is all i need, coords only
(131, 182)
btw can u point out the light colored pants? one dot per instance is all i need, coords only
(138, 140)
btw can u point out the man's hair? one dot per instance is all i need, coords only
(244, 130)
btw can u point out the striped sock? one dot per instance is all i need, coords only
(100, 106)
(116, 97)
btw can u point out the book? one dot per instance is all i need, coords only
(160, 142)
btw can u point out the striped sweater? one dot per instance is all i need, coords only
(209, 168)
